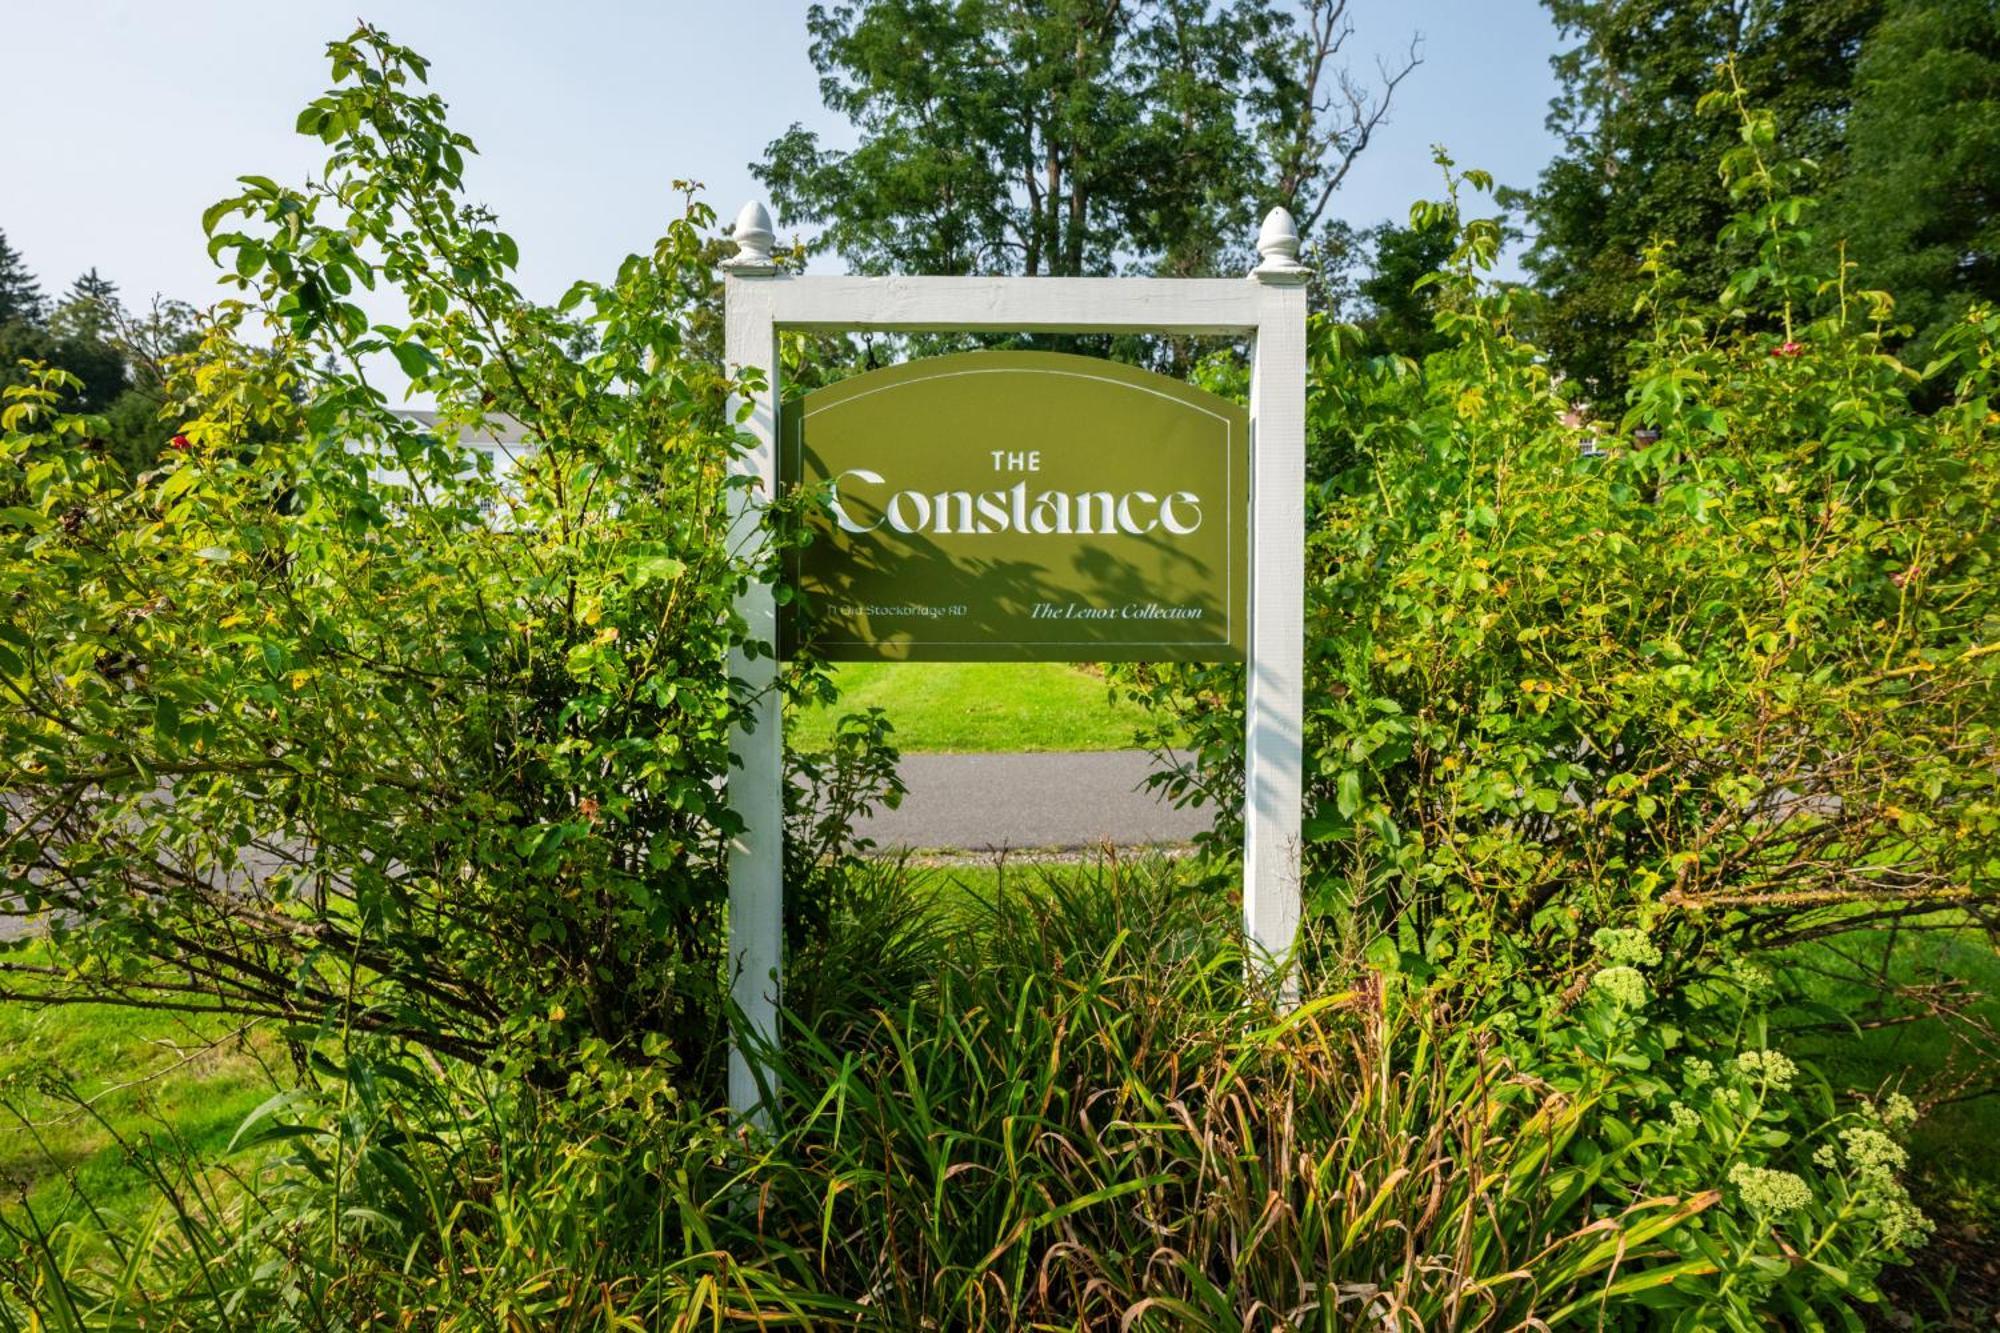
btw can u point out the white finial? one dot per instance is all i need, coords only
(753, 237)
(1278, 247)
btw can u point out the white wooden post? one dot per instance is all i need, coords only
(1270, 308)
(1273, 748)
(756, 790)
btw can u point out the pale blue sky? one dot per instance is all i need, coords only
(122, 119)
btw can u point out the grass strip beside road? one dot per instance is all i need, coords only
(979, 707)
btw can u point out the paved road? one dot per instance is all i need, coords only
(988, 802)
(998, 802)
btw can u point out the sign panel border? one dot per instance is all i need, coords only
(1231, 646)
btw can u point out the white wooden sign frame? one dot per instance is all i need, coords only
(1269, 308)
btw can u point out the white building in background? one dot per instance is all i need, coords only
(502, 441)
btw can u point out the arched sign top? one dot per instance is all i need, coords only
(1020, 506)
(1034, 364)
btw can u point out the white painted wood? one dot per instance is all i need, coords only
(754, 238)
(1273, 751)
(756, 790)
(1278, 250)
(760, 300)
(1028, 305)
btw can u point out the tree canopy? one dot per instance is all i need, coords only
(1918, 203)
(1074, 137)
(1636, 163)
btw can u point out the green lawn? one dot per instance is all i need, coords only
(1885, 1052)
(979, 707)
(144, 1073)
(1957, 1174)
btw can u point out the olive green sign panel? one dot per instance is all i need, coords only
(1020, 506)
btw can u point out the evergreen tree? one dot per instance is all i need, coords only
(20, 294)
(89, 311)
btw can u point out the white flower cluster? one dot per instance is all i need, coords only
(1749, 976)
(1875, 1157)
(1628, 947)
(1774, 1067)
(1897, 1112)
(1902, 1224)
(1698, 1072)
(1625, 985)
(1684, 1117)
(1769, 1191)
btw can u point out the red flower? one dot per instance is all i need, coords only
(180, 442)
(1788, 349)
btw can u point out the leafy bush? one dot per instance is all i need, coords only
(1726, 668)
(1058, 1111)
(318, 722)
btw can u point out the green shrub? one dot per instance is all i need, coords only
(1725, 668)
(320, 723)
(1058, 1112)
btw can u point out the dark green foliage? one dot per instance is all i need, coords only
(1401, 312)
(99, 370)
(73, 338)
(1918, 199)
(1637, 164)
(1070, 138)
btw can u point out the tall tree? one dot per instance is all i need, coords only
(89, 310)
(1636, 162)
(20, 294)
(1068, 137)
(1401, 315)
(1919, 203)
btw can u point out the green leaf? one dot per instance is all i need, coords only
(1348, 799)
(414, 358)
(217, 211)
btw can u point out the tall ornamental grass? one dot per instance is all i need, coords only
(1056, 1107)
